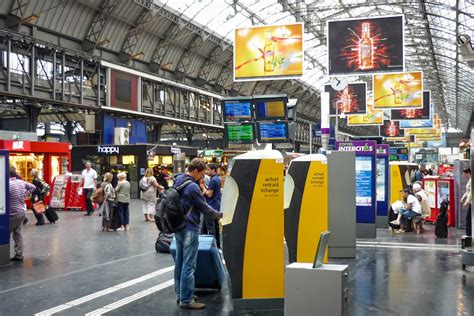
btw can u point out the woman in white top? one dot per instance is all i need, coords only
(413, 208)
(149, 187)
(466, 199)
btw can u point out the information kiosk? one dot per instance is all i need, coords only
(382, 184)
(306, 206)
(342, 209)
(365, 185)
(252, 203)
(4, 206)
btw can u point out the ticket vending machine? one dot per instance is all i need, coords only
(252, 204)
(365, 168)
(382, 185)
(306, 206)
(4, 207)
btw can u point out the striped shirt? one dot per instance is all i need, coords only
(19, 190)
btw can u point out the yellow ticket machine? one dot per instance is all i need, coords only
(252, 203)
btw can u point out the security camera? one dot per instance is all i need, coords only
(465, 46)
(464, 39)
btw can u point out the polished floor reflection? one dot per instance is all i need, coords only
(72, 268)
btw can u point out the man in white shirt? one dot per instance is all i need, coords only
(89, 180)
(422, 198)
(413, 208)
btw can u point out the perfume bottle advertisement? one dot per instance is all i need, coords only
(268, 52)
(398, 90)
(414, 114)
(372, 117)
(365, 45)
(391, 129)
(351, 100)
(420, 123)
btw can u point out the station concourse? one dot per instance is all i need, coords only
(334, 139)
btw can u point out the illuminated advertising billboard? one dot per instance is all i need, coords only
(414, 114)
(402, 90)
(391, 129)
(421, 131)
(268, 52)
(365, 45)
(372, 117)
(352, 100)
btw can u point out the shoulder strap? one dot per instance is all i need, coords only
(183, 185)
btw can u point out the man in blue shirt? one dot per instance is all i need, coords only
(212, 193)
(187, 239)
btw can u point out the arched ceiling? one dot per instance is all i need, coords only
(191, 41)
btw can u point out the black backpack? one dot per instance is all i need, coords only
(170, 214)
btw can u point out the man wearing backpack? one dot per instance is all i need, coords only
(187, 238)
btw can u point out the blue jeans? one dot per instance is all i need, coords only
(409, 213)
(187, 244)
(123, 213)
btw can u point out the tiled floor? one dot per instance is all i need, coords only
(71, 260)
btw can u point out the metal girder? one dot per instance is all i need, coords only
(98, 23)
(163, 47)
(16, 13)
(205, 70)
(186, 58)
(128, 48)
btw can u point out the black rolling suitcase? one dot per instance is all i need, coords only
(51, 215)
(441, 228)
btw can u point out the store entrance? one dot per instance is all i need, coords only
(116, 164)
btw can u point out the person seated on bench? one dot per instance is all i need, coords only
(422, 198)
(413, 209)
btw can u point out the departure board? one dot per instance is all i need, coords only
(243, 133)
(273, 132)
(236, 110)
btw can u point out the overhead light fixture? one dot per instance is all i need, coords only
(139, 55)
(30, 19)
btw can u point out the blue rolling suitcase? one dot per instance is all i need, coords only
(210, 272)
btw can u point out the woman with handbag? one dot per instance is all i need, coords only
(37, 197)
(149, 187)
(108, 216)
(123, 200)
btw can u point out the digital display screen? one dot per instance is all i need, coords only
(270, 109)
(276, 132)
(380, 181)
(240, 133)
(402, 151)
(393, 157)
(403, 157)
(237, 110)
(364, 181)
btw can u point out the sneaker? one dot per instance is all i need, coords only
(400, 231)
(395, 222)
(195, 298)
(119, 229)
(192, 305)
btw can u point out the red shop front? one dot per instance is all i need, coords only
(49, 158)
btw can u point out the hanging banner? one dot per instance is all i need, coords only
(365, 45)
(414, 114)
(372, 117)
(350, 101)
(421, 131)
(391, 129)
(268, 52)
(418, 123)
(404, 139)
(402, 90)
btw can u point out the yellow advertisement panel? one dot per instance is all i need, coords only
(421, 131)
(372, 117)
(398, 90)
(268, 52)
(428, 138)
(414, 145)
(403, 139)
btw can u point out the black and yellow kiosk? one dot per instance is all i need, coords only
(306, 206)
(401, 176)
(252, 203)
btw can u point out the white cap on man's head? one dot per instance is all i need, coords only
(416, 187)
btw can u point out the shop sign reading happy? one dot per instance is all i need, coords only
(108, 150)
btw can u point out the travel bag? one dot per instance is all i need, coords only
(163, 242)
(210, 271)
(441, 228)
(51, 215)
